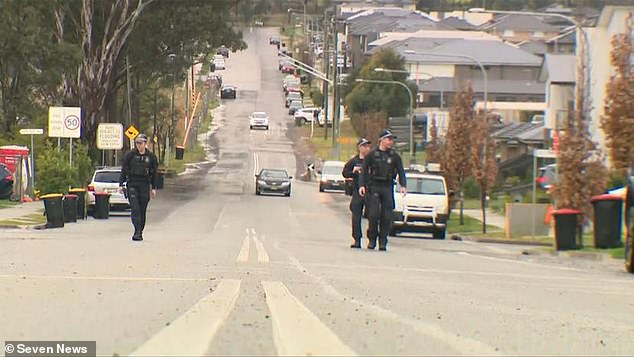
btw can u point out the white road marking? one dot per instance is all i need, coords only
(461, 344)
(97, 278)
(256, 163)
(191, 334)
(296, 330)
(263, 256)
(243, 256)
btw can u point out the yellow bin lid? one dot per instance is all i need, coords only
(77, 190)
(52, 195)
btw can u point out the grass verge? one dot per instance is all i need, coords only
(28, 220)
(7, 203)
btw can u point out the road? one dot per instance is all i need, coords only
(224, 272)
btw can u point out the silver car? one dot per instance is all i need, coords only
(106, 180)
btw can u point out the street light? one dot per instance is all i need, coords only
(410, 113)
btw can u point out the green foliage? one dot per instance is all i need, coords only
(55, 175)
(316, 96)
(471, 188)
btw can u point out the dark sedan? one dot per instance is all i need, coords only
(6, 182)
(273, 181)
(228, 91)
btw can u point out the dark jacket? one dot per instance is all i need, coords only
(377, 161)
(349, 167)
(139, 168)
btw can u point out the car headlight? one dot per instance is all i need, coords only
(260, 182)
(285, 183)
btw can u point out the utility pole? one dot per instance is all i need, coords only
(327, 71)
(335, 79)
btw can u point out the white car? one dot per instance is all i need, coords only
(106, 180)
(425, 208)
(259, 120)
(220, 64)
(332, 176)
(308, 114)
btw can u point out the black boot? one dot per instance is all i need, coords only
(356, 244)
(372, 244)
(137, 236)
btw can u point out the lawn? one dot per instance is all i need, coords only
(471, 226)
(7, 203)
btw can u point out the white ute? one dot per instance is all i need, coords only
(426, 207)
(259, 120)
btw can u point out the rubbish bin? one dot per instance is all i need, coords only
(81, 202)
(102, 205)
(70, 208)
(53, 210)
(298, 121)
(608, 210)
(180, 152)
(567, 229)
(160, 179)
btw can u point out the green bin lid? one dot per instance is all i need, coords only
(52, 195)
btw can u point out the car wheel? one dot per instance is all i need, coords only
(251, 127)
(267, 127)
(321, 188)
(257, 191)
(440, 234)
(288, 194)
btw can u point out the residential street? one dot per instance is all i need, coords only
(225, 272)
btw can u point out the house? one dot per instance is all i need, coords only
(351, 6)
(515, 143)
(559, 74)
(366, 26)
(519, 28)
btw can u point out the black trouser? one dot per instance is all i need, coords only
(356, 207)
(380, 201)
(139, 197)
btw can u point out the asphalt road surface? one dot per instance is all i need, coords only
(225, 272)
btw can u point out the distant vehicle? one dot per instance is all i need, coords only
(291, 81)
(425, 208)
(293, 88)
(288, 68)
(308, 115)
(273, 181)
(218, 57)
(547, 176)
(537, 119)
(331, 176)
(295, 104)
(291, 96)
(259, 120)
(219, 64)
(228, 91)
(107, 180)
(6, 182)
(274, 40)
(281, 62)
(224, 51)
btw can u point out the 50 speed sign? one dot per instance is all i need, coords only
(64, 122)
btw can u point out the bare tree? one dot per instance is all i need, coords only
(434, 146)
(618, 121)
(457, 152)
(485, 168)
(369, 125)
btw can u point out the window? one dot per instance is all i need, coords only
(508, 33)
(425, 186)
(538, 34)
(107, 176)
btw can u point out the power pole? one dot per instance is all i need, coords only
(327, 71)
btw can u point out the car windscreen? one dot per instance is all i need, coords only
(425, 186)
(274, 174)
(332, 170)
(259, 115)
(107, 176)
(296, 104)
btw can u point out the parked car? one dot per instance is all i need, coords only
(331, 176)
(106, 179)
(288, 68)
(274, 40)
(291, 97)
(219, 64)
(547, 176)
(222, 50)
(295, 104)
(259, 120)
(273, 181)
(6, 182)
(281, 62)
(308, 114)
(297, 89)
(291, 81)
(425, 208)
(228, 91)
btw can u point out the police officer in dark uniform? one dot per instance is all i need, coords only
(380, 167)
(138, 173)
(629, 222)
(352, 170)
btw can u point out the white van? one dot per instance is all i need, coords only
(331, 176)
(425, 208)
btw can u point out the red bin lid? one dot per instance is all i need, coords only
(606, 197)
(566, 211)
(101, 194)
(70, 196)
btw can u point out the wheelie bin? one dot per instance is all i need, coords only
(53, 210)
(629, 216)
(567, 229)
(102, 205)
(82, 207)
(608, 210)
(70, 208)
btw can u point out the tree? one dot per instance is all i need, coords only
(457, 150)
(485, 168)
(433, 151)
(618, 121)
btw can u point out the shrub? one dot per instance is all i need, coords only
(55, 175)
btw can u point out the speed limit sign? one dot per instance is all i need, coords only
(64, 122)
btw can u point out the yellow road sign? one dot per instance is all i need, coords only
(131, 132)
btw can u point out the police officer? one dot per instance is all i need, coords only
(352, 170)
(380, 167)
(138, 172)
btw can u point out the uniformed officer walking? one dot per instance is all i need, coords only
(138, 172)
(380, 167)
(352, 170)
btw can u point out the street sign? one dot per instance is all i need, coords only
(544, 154)
(31, 131)
(131, 132)
(64, 122)
(110, 136)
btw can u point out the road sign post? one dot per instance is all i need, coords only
(32, 175)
